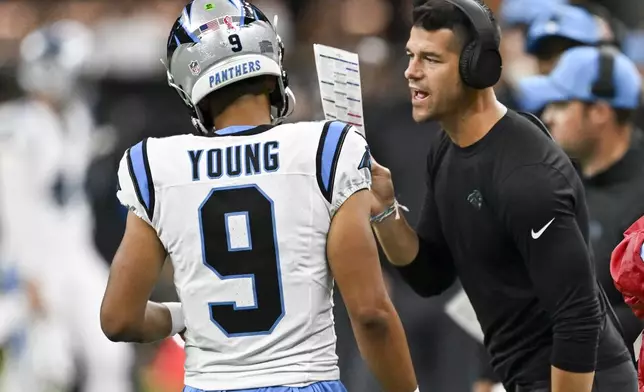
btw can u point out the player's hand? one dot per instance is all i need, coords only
(382, 188)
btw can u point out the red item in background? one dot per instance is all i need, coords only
(627, 271)
(166, 370)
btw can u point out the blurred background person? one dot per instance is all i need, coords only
(590, 99)
(560, 28)
(48, 142)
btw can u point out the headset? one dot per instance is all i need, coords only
(604, 85)
(480, 64)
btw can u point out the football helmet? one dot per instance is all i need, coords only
(215, 43)
(52, 58)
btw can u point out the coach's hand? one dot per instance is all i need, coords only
(382, 188)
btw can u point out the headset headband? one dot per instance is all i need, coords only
(483, 27)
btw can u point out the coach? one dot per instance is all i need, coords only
(505, 212)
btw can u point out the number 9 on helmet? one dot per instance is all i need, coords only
(217, 43)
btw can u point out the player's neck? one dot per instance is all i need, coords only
(474, 118)
(608, 151)
(245, 110)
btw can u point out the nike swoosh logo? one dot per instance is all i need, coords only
(538, 233)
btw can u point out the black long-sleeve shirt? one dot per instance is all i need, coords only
(508, 216)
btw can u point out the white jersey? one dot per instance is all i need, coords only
(244, 217)
(44, 157)
(46, 226)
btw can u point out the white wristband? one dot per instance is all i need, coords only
(176, 315)
(417, 389)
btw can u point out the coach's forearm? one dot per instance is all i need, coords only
(563, 381)
(383, 345)
(398, 240)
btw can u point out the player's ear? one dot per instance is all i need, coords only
(599, 112)
(548, 115)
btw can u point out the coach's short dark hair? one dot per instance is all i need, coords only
(433, 15)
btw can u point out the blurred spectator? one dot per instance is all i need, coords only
(558, 30)
(523, 12)
(48, 141)
(590, 100)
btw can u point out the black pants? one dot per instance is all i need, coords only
(621, 378)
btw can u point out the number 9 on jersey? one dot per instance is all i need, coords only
(239, 241)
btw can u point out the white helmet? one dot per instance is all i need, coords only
(215, 43)
(52, 58)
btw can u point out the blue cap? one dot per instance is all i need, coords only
(573, 79)
(634, 46)
(524, 12)
(565, 21)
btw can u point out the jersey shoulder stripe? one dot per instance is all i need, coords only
(139, 169)
(328, 152)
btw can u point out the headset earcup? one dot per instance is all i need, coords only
(489, 67)
(480, 68)
(467, 67)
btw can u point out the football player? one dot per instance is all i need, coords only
(47, 142)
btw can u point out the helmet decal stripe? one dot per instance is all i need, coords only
(185, 23)
(188, 10)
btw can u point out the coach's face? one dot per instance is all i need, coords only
(433, 76)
